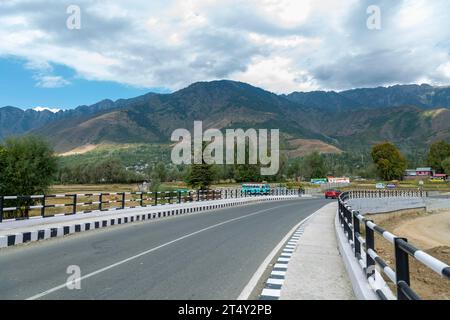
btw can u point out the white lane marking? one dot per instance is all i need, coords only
(62, 286)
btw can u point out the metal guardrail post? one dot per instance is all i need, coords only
(370, 244)
(340, 212)
(179, 196)
(155, 195)
(141, 199)
(1, 208)
(74, 204)
(123, 200)
(401, 268)
(356, 233)
(100, 202)
(198, 195)
(348, 217)
(42, 209)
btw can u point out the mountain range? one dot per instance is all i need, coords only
(412, 116)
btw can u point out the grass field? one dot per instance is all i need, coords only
(116, 187)
(87, 188)
(128, 154)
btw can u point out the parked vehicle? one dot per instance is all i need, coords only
(256, 188)
(332, 194)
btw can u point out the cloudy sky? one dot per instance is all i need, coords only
(126, 48)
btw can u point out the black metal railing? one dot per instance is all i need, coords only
(366, 254)
(24, 207)
(362, 193)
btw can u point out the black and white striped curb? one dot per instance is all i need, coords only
(273, 285)
(123, 218)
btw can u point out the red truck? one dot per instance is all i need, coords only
(332, 194)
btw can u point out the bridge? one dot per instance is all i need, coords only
(221, 244)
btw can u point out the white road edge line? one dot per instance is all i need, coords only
(248, 289)
(62, 286)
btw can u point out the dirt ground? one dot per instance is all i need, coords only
(427, 231)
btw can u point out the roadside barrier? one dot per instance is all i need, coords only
(355, 194)
(365, 252)
(35, 206)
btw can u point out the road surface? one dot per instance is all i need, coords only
(209, 255)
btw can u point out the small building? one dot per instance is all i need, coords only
(410, 173)
(419, 173)
(338, 180)
(319, 181)
(425, 172)
(439, 177)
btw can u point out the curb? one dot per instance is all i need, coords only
(361, 287)
(272, 288)
(41, 233)
(274, 284)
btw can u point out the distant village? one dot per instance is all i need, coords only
(426, 173)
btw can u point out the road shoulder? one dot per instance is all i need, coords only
(316, 270)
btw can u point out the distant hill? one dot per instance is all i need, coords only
(220, 104)
(423, 96)
(412, 116)
(15, 121)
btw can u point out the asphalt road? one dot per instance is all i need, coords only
(208, 255)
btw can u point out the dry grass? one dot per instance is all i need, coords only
(429, 232)
(302, 147)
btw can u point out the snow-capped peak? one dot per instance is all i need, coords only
(39, 109)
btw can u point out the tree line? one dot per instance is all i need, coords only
(28, 165)
(391, 163)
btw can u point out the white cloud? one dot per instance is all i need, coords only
(444, 70)
(278, 74)
(282, 45)
(44, 74)
(51, 81)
